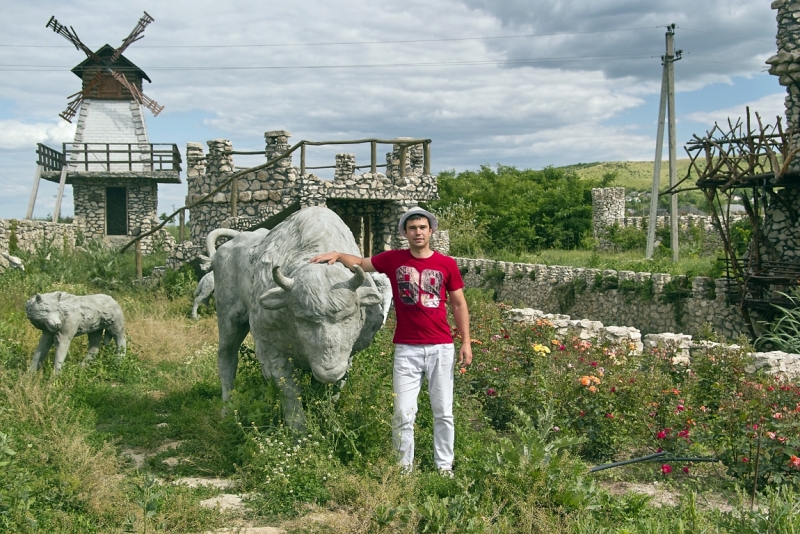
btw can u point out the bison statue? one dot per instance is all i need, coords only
(301, 315)
(61, 316)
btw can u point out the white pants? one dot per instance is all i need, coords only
(411, 363)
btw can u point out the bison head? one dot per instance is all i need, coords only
(327, 308)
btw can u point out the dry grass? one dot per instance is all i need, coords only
(161, 332)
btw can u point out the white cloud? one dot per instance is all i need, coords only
(768, 107)
(15, 134)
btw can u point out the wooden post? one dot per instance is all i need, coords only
(303, 159)
(139, 258)
(234, 195)
(426, 157)
(367, 236)
(402, 161)
(374, 157)
(61, 182)
(182, 224)
(34, 191)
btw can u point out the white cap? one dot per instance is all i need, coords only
(434, 222)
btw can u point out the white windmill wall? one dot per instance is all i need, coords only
(111, 121)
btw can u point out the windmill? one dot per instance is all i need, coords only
(105, 65)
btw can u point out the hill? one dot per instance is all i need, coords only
(630, 174)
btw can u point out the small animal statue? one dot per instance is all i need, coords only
(61, 316)
(202, 295)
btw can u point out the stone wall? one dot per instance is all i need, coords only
(32, 234)
(615, 297)
(608, 210)
(142, 204)
(370, 199)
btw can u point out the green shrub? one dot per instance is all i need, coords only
(179, 283)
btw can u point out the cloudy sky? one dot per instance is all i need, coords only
(515, 82)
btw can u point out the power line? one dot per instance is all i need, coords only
(37, 68)
(336, 43)
(728, 35)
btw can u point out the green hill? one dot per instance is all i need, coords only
(630, 174)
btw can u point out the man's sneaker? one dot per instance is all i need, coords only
(447, 473)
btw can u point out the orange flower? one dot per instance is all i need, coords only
(593, 389)
(477, 342)
(585, 380)
(794, 461)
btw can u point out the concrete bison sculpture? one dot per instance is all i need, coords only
(61, 316)
(301, 315)
(203, 292)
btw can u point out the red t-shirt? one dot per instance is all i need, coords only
(419, 288)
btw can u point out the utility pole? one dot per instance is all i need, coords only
(667, 101)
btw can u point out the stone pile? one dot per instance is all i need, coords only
(682, 345)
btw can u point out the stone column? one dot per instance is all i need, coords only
(345, 167)
(277, 141)
(608, 209)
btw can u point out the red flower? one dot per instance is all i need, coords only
(613, 389)
(745, 459)
(582, 413)
(562, 347)
(491, 392)
(593, 364)
(609, 416)
(666, 469)
(663, 434)
(683, 434)
(680, 407)
(686, 469)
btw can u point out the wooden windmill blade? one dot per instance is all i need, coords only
(140, 97)
(72, 36)
(135, 35)
(74, 105)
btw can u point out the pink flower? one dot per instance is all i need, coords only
(666, 469)
(771, 435)
(745, 459)
(491, 392)
(680, 407)
(562, 347)
(777, 415)
(593, 364)
(662, 434)
(495, 369)
(556, 429)
(683, 434)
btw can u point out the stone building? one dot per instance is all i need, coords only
(369, 203)
(113, 168)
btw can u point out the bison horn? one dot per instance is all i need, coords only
(358, 277)
(284, 282)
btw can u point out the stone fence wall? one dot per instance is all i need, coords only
(608, 210)
(32, 234)
(650, 302)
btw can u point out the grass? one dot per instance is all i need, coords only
(688, 264)
(64, 439)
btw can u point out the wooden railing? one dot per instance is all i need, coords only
(114, 157)
(49, 159)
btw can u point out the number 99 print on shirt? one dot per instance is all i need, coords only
(425, 288)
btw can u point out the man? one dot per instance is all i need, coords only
(424, 346)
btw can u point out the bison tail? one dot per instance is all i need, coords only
(211, 240)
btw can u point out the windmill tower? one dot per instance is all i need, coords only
(113, 168)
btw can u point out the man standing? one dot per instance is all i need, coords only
(422, 280)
